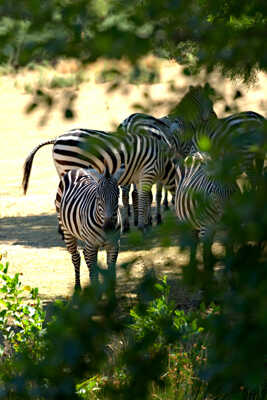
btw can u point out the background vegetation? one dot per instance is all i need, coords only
(89, 348)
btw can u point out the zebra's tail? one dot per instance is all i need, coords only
(28, 164)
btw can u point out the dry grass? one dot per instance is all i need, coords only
(28, 229)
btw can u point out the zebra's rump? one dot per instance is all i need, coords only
(80, 148)
(238, 131)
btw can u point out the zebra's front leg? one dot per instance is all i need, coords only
(112, 255)
(158, 202)
(144, 197)
(71, 244)
(126, 207)
(90, 255)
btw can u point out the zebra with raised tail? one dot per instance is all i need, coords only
(87, 209)
(144, 156)
(200, 198)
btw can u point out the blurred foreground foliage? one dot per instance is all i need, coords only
(195, 33)
(94, 347)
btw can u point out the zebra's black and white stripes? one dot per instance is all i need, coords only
(87, 209)
(144, 156)
(200, 199)
(236, 137)
(195, 108)
(177, 131)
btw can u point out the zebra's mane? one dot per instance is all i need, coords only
(196, 100)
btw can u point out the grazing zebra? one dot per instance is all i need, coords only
(200, 198)
(87, 208)
(145, 157)
(177, 129)
(195, 108)
(234, 137)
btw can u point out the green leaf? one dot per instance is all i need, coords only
(204, 143)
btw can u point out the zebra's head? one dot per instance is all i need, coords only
(194, 109)
(196, 106)
(107, 197)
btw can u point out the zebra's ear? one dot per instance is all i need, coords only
(94, 174)
(118, 174)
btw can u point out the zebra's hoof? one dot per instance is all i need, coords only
(136, 222)
(166, 207)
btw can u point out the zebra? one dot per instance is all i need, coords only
(200, 198)
(233, 140)
(70, 150)
(139, 123)
(87, 210)
(177, 129)
(145, 157)
(194, 109)
(194, 118)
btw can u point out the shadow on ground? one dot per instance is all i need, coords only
(128, 293)
(35, 231)
(41, 231)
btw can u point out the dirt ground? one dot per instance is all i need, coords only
(28, 228)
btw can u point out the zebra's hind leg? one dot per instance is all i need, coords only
(165, 200)
(158, 203)
(71, 244)
(126, 208)
(173, 198)
(150, 201)
(60, 228)
(144, 198)
(90, 255)
(135, 204)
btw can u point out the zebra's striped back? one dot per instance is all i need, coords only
(199, 198)
(91, 148)
(234, 138)
(224, 131)
(72, 150)
(139, 123)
